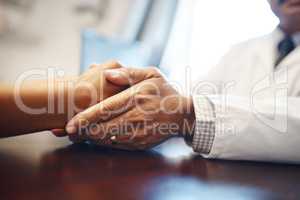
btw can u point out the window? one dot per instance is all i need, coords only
(217, 25)
(221, 24)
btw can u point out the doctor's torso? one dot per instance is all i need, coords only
(250, 66)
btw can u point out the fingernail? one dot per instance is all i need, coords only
(112, 73)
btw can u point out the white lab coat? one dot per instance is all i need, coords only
(258, 117)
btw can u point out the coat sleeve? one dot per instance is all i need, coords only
(244, 132)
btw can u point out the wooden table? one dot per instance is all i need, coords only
(40, 166)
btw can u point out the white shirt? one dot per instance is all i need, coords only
(252, 111)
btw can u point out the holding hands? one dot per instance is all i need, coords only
(123, 108)
(144, 115)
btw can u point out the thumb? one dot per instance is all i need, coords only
(130, 76)
(104, 111)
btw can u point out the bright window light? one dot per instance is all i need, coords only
(217, 25)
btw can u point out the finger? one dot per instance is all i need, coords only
(103, 111)
(140, 142)
(59, 132)
(107, 65)
(116, 134)
(111, 65)
(130, 76)
(113, 145)
(131, 138)
(80, 137)
(123, 128)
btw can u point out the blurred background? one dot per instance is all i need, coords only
(170, 34)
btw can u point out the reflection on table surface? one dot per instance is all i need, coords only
(40, 166)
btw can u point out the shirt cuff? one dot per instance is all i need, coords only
(204, 132)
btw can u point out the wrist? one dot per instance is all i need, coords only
(71, 96)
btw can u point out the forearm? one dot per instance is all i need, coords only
(40, 105)
(31, 107)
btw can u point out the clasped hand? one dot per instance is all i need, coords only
(140, 117)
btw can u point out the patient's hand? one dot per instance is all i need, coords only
(91, 88)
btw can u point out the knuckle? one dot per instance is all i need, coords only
(115, 64)
(98, 112)
(140, 99)
(154, 71)
(82, 121)
(131, 73)
(151, 90)
(93, 66)
(148, 88)
(102, 112)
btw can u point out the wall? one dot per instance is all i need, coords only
(48, 34)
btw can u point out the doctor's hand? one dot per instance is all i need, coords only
(141, 117)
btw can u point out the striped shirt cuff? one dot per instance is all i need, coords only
(204, 132)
